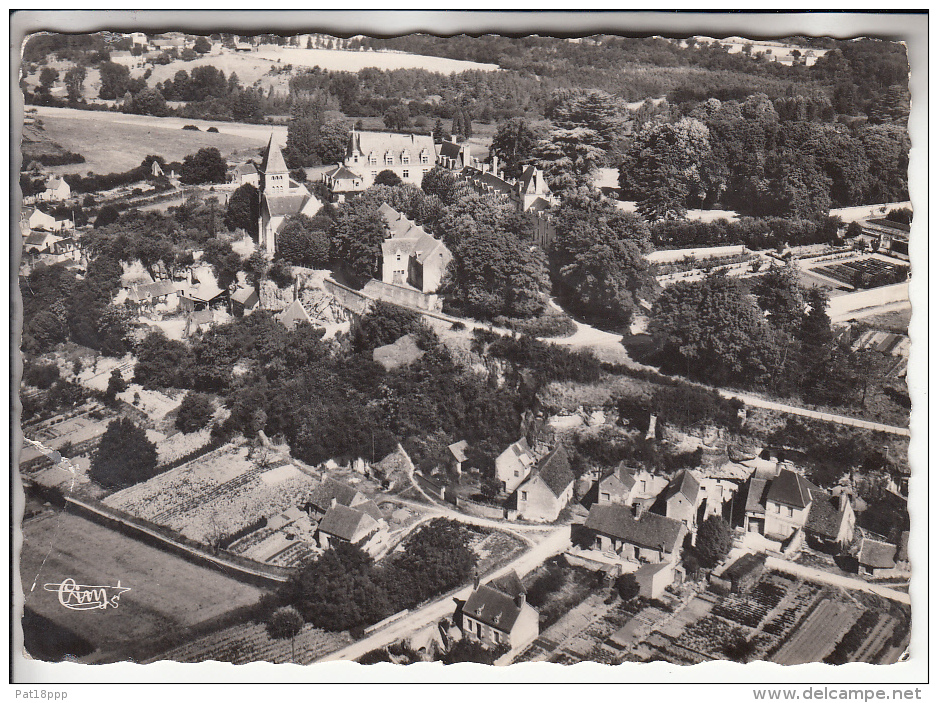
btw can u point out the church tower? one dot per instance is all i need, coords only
(275, 181)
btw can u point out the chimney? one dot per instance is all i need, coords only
(296, 288)
(519, 601)
(475, 582)
(638, 509)
(333, 502)
(494, 164)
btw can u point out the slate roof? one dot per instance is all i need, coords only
(744, 566)
(487, 180)
(789, 488)
(245, 168)
(877, 555)
(323, 494)
(554, 470)
(825, 516)
(341, 173)
(533, 175)
(650, 531)
(458, 450)
(293, 314)
(755, 496)
(345, 523)
(685, 483)
(369, 507)
(152, 290)
(510, 584)
(285, 205)
(623, 475)
(450, 149)
(381, 143)
(242, 295)
(273, 159)
(492, 607)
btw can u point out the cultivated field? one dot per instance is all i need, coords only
(113, 142)
(250, 642)
(215, 495)
(168, 594)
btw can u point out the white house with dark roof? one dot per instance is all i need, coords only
(56, 190)
(411, 256)
(514, 464)
(497, 614)
(244, 174)
(407, 155)
(681, 499)
(280, 197)
(548, 488)
(646, 538)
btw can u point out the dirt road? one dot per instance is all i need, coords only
(806, 572)
(557, 542)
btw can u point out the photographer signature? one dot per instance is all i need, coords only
(76, 596)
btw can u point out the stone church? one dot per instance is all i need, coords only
(280, 197)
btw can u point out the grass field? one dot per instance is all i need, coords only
(113, 142)
(168, 594)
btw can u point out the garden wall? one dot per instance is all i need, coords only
(492, 512)
(670, 255)
(850, 302)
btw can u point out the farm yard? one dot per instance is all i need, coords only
(870, 272)
(168, 595)
(216, 495)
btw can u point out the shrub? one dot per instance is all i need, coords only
(194, 413)
(192, 127)
(124, 456)
(214, 130)
(545, 326)
(627, 586)
(41, 375)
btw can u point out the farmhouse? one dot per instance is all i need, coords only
(628, 486)
(497, 614)
(514, 464)
(244, 174)
(344, 524)
(681, 499)
(56, 190)
(411, 256)
(409, 156)
(647, 538)
(778, 507)
(149, 295)
(548, 488)
(38, 219)
(280, 197)
(831, 521)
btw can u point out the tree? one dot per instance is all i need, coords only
(514, 144)
(303, 133)
(202, 45)
(115, 384)
(206, 166)
(333, 141)
(285, 623)
(244, 210)
(713, 330)
(439, 132)
(359, 231)
(194, 413)
(162, 362)
(397, 117)
(75, 82)
(47, 78)
(627, 586)
(304, 241)
(383, 324)
(148, 101)
(388, 178)
(124, 456)
(337, 591)
(115, 79)
(597, 262)
(670, 167)
(714, 541)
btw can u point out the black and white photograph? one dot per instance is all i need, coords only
(334, 343)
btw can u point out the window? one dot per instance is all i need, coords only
(643, 486)
(424, 159)
(516, 473)
(355, 158)
(524, 495)
(606, 496)
(405, 158)
(389, 158)
(405, 173)
(790, 512)
(372, 160)
(374, 174)
(398, 257)
(778, 508)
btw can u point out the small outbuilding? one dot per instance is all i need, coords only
(741, 575)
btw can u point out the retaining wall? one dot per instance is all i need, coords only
(849, 302)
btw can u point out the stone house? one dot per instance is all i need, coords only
(56, 190)
(548, 488)
(514, 464)
(876, 558)
(411, 256)
(645, 538)
(497, 614)
(681, 499)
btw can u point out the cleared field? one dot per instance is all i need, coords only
(167, 596)
(816, 637)
(113, 142)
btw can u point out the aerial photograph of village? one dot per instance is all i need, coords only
(492, 349)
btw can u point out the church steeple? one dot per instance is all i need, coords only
(274, 169)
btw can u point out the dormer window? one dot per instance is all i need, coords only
(405, 158)
(372, 159)
(389, 158)
(424, 158)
